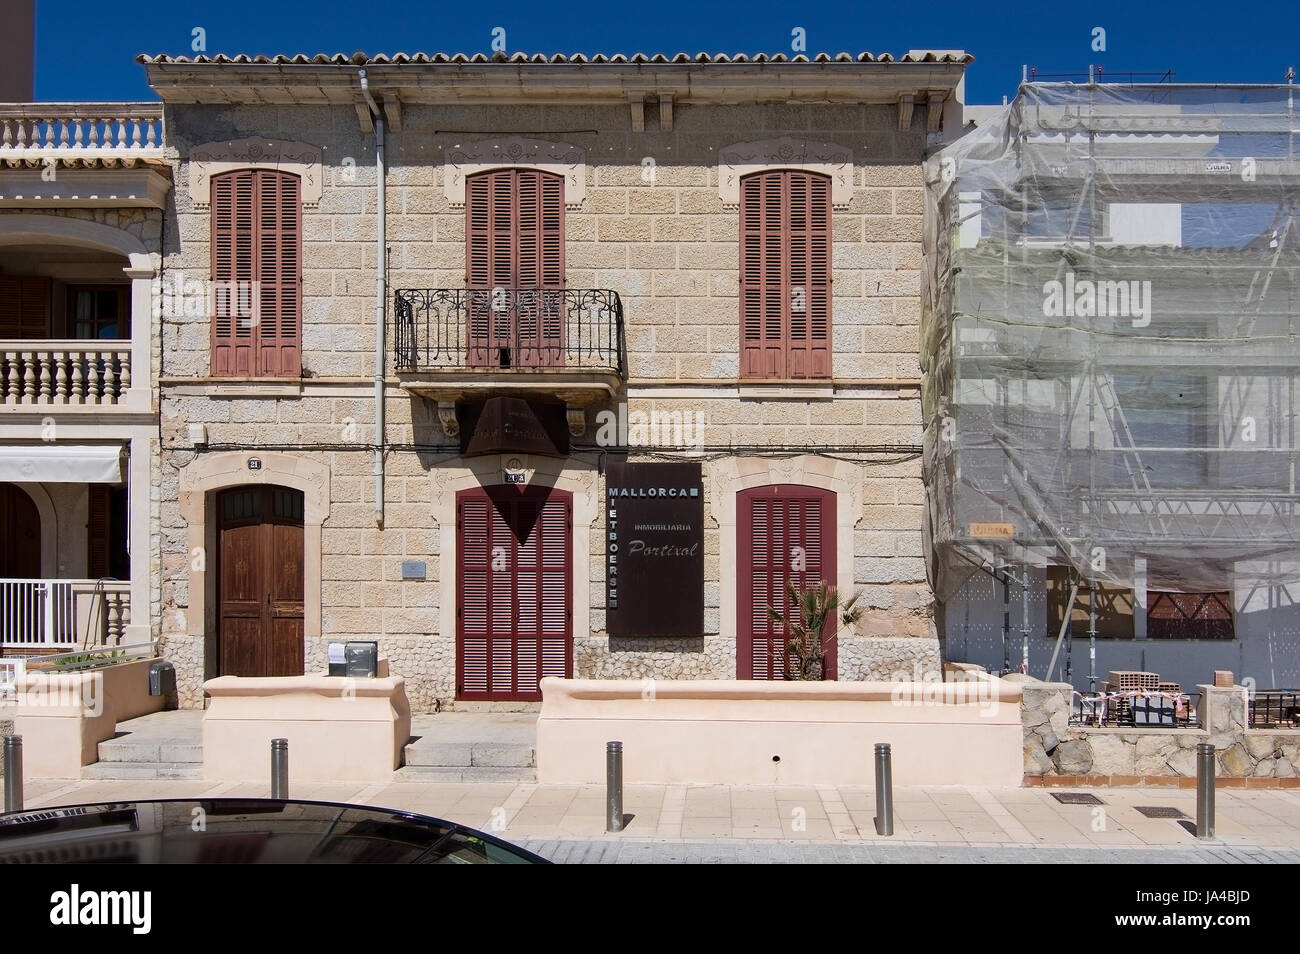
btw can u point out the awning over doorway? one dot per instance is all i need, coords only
(56, 463)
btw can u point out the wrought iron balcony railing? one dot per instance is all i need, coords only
(509, 329)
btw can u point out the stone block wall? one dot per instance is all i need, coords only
(1053, 748)
(670, 248)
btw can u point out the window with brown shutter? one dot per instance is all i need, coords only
(257, 274)
(785, 532)
(24, 306)
(514, 264)
(785, 275)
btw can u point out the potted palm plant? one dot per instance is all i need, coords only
(804, 618)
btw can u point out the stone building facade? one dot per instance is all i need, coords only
(651, 159)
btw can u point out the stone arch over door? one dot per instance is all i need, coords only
(727, 477)
(219, 471)
(49, 518)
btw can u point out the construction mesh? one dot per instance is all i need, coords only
(1111, 338)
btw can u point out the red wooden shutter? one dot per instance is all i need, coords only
(514, 592)
(257, 268)
(24, 306)
(97, 532)
(279, 270)
(473, 597)
(785, 275)
(784, 532)
(514, 256)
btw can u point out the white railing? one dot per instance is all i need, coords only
(64, 372)
(107, 129)
(38, 614)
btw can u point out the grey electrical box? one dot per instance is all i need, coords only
(162, 679)
(362, 658)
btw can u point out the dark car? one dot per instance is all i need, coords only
(244, 831)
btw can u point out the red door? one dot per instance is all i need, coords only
(786, 532)
(260, 581)
(514, 588)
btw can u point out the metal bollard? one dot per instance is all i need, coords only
(280, 768)
(1204, 790)
(613, 786)
(13, 773)
(884, 790)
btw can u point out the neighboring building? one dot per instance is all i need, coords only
(1112, 353)
(584, 261)
(82, 195)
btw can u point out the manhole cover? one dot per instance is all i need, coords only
(1077, 798)
(1160, 811)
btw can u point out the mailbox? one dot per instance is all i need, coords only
(162, 679)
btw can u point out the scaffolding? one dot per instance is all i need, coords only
(1111, 340)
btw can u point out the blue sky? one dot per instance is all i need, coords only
(85, 50)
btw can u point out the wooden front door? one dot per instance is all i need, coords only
(786, 532)
(260, 581)
(514, 588)
(20, 535)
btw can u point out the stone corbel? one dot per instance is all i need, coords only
(577, 420)
(665, 112)
(905, 102)
(393, 111)
(637, 103)
(447, 417)
(934, 111)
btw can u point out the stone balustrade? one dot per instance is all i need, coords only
(101, 129)
(64, 372)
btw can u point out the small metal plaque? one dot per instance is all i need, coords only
(1005, 530)
(1077, 798)
(513, 478)
(1159, 811)
(414, 570)
(254, 463)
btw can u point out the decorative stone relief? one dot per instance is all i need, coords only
(447, 417)
(466, 159)
(744, 158)
(577, 420)
(213, 158)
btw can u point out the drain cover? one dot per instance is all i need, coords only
(1077, 798)
(1160, 811)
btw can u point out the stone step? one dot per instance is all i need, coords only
(127, 749)
(142, 770)
(460, 706)
(429, 753)
(437, 773)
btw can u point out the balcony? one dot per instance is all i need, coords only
(62, 614)
(451, 343)
(54, 373)
(106, 155)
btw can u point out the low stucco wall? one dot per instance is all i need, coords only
(63, 717)
(338, 728)
(1052, 747)
(780, 733)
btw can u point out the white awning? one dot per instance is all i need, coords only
(57, 463)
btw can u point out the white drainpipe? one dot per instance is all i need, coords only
(381, 262)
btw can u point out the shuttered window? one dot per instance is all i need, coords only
(514, 591)
(514, 263)
(257, 274)
(24, 306)
(785, 275)
(786, 532)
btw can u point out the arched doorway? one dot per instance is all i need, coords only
(785, 532)
(260, 581)
(20, 529)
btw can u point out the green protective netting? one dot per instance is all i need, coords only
(1111, 338)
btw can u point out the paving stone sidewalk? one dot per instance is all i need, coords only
(713, 823)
